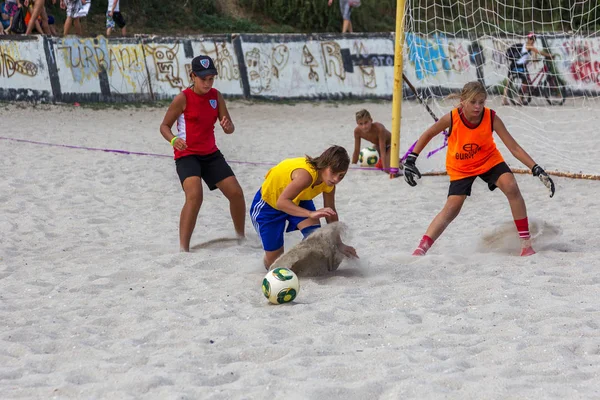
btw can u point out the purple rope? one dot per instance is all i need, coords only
(432, 152)
(138, 153)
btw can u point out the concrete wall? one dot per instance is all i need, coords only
(323, 66)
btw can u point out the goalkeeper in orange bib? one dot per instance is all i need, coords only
(472, 153)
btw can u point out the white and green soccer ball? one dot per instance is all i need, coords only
(280, 285)
(368, 157)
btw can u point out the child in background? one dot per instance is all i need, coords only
(51, 25)
(73, 7)
(4, 17)
(114, 17)
(375, 133)
(38, 16)
(472, 153)
(286, 197)
(197, 157)
(11, 7)
(82, 13)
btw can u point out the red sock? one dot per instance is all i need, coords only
(379, 164)
(523, 228)
(424, 245)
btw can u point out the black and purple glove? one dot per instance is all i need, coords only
(410, 169)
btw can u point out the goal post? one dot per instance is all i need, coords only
(397, 90)
(449, 43)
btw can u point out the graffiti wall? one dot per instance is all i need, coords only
(168, 63)
(319, 65)
(23, 70)
(270, 66)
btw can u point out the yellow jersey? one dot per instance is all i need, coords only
(280, 176)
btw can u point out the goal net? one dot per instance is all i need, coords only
(555, 118)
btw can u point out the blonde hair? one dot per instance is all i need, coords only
(469, 91)
(472, 89)
(335, 157)
(362, 114)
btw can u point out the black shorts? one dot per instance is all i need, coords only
(212, 168)
(119, 20)
(463, 186)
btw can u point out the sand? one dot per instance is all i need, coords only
(96, 301)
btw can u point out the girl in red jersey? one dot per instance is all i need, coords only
(472, 153)
(197, 157)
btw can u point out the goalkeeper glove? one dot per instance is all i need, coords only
(546, 180)
(410, 169)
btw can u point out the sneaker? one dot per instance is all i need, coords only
(526, 249)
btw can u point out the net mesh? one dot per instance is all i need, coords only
(554, 117)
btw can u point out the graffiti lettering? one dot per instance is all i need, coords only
(88, 57)
(425, 55)
(586, 71)
(332, 55)
(9, 66)
(368, 71)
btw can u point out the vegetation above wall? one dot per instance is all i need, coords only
(302, 16)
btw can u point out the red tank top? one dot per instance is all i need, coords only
(197, 123)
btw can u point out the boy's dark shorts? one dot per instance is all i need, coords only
(463, 186)
(212, 168)
(116, 19)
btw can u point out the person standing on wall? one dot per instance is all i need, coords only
(39, 10)
(114, 17)
(346, 9)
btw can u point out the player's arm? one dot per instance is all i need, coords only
(329, 201)
(411, 172)
(224, 117)
(431, 132)
(511, 144)
(356, 151)
(382, 135)
(175, 110)
(540, 52)
(301, 179)
(522, 155)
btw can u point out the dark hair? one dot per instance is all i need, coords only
(335, 157)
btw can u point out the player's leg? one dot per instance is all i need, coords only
(306, 226)
(507, 183)
(192, 186)
(269, 224)
(189, 170)
(457, 194)
(237, 205)
(218, 174)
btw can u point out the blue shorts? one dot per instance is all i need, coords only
(270, 223)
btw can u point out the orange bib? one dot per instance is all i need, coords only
(471, 148)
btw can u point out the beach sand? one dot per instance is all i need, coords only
(96, 301)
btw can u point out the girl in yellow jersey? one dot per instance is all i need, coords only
(286, 196)
(472, 153)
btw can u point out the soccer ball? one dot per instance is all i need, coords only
(280, 285)
(368, 157)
